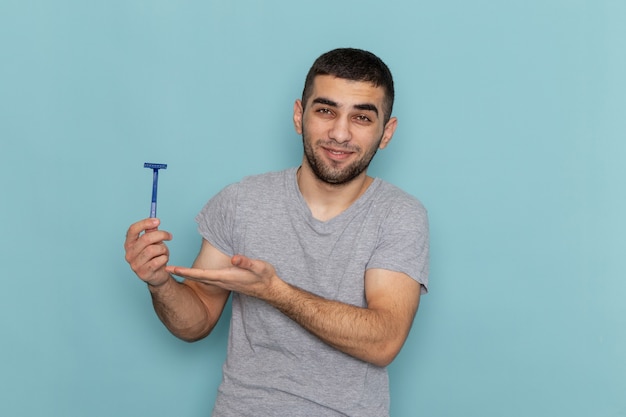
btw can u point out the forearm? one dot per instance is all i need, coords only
(181, 310)
(366, 334)
(374, 334)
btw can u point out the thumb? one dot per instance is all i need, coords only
(241, 261)
(257, 267)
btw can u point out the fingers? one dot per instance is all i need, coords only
(146, 252)
(247, 276)
(255, 266)
(176, 270)
(241, 261)
(150, 255)
(134, 233)
(135, 229)
(197, 274)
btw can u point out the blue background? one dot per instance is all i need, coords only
(512, 132)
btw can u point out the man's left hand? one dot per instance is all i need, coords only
(247, 276)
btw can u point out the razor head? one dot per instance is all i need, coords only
(154, 166)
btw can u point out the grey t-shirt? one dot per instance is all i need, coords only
(274, 367)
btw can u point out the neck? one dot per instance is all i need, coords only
(325, 200)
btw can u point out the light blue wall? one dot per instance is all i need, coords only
(512, 132)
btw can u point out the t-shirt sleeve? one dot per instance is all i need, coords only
(216, 220)
(403, 244)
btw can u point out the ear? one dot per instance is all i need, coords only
(388, 132)
(297, 116)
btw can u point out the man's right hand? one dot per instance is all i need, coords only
(146, 253)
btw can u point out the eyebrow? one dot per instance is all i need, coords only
(365, 106)
(325, 101)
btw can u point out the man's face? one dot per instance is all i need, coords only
(342, 127)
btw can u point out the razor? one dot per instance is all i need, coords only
(155, 183)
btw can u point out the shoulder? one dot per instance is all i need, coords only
(266, 181)
(395, 200)
(257, 183)
(255, 193)
(398, 213)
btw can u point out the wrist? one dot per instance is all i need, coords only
(154, 286)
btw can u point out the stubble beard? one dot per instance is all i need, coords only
(330, 173)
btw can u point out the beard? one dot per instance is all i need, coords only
(331, 172)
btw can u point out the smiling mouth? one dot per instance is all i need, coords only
(337, 154)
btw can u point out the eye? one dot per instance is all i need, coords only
(324, 112)
(362, 118)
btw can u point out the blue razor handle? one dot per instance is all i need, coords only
(155, 183)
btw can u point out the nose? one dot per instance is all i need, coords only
(340, 130)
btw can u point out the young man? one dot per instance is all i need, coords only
(325, 264)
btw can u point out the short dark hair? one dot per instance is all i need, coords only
(355, 65)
